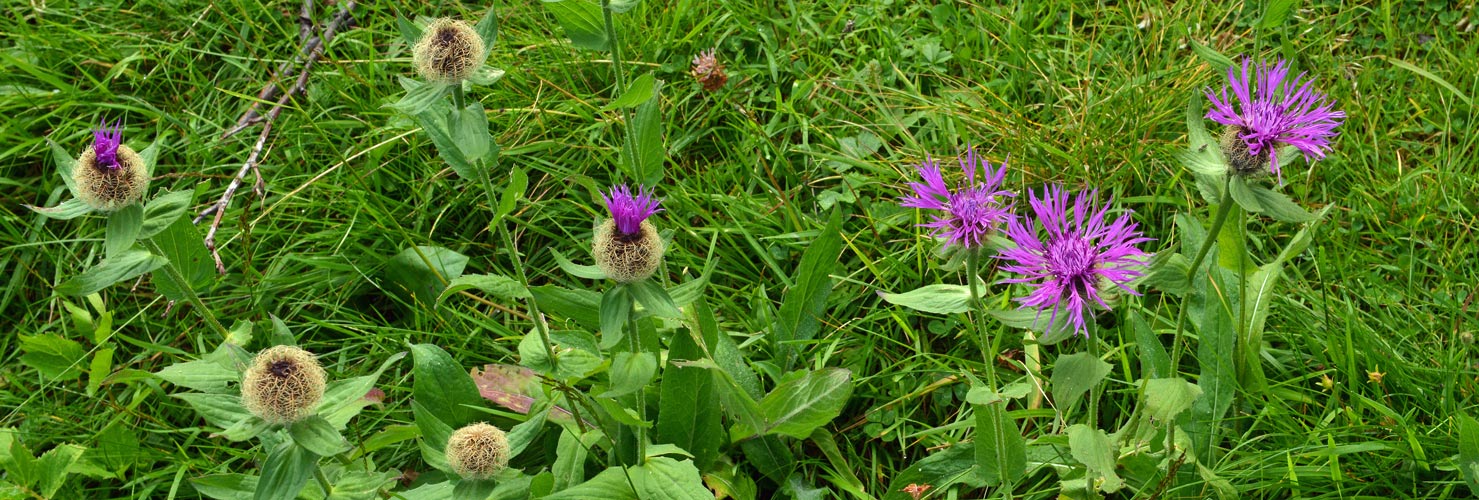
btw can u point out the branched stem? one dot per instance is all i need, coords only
(190, 295)
(1224, 208)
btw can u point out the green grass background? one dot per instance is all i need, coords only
(829, 103)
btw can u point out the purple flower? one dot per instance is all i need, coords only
(1078, 254)
(629, 211)
(1282, 111)
(105, 143)
(968, 214)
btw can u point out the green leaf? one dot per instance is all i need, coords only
(51, 468)
(1165, 398)
(125, 266)
(1219, 62)
(1001, 453)
(423, 272)
(117, 448)
(798, 407)
(577, 270)
(937, 299)
(410, 32)
(1154, 362)
(484, 75)
(123, 229)
(513, 190)
(582, 21)
(666, 478)
(285, 472)
(220, 410)
(1196, 128)
(225, 486)
(443, 387)
(1075, 374)
(1168, 272)
(497, 285)
(67, 210)
(630, 372)
(55, 357)
(621, 414)
(99, 369)
(164, 210)
(1254, 197)
(623, 6)
(1210, 312)
(609, 484)
(434, 436)
(318, 436)
(643, 152)
(654, 299)
(64, 164)
(639, 91)
(806, 302)
(1260, 299)
(1093, 448)
(955, 464)
(420, 97)
(570, 454)
(473, 490)
(616, 306)
(1276, 12)
(185, 250)
(735, 400)
(771, 456)
(150, 156)
(688, 413)
(361, 485)
(581, 306)
(1037, 321)
(247, 428)
(470, 131)
(487, 29)
(434, 122)
(523, 434)
(1430, 76)
(200, 375)
(1468, 451)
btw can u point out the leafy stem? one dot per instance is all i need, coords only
(190, 295)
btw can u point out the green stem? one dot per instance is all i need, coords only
(616, 64)
(539, 323)
(972, 264)
(323, 481)
(1094, 392)
(634, 342)
(458, 98)
(1224, 208)
(190, 296)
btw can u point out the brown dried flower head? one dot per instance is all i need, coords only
(708, 71)
(283, 385)
(478, 451)
(448, 52)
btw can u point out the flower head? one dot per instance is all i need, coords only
(971, 212)
(1275, 111)
(105, 142)
(283, 385)
(630, 210)
(109, 175)
(448, 52)
(1079, 251)
(708, 70)
(478, 451)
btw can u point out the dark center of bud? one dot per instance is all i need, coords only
(282, 368)
(1071, 258)
(1241, 159)
(445, 36)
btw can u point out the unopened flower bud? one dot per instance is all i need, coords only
(1240, 159)
(478, 451)
(283, 385)
(448, 52)
(708, 70)
(109, 175)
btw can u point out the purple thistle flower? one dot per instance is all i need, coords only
(628, 210)
(1066, 269)
(1278, 111)
(105, 142)
(970, 213)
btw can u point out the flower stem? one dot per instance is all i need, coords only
(634, 343)
(972, 264)
(190, 296)
(459, 100)
(1224, 208)
(539, 323)
(616, 64)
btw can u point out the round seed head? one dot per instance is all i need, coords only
(110, 175)
(478, 451)
(283, 385)
(1240, 159)
(627, 257)
(448, 52)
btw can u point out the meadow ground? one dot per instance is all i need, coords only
(1369, 351)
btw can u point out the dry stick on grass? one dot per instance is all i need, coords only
(313, 49)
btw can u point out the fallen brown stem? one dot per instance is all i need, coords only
(313, 49)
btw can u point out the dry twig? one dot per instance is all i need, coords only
(313, 49)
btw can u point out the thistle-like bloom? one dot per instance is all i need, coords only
(627, 247)
(449, 51)
(708, 70)
(1079, 252)
(478, 451)
(971, 212)
(105, 142)
(629, 210)
(283, 385)
(109, 175)
(1276, 111)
